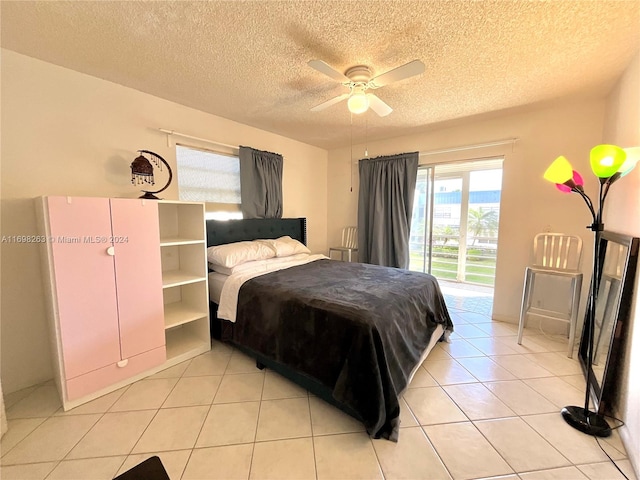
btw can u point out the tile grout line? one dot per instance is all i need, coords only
(255, 435)
(375, 453)
(313, 443)
(184, 468)
(44, 419)
(59, 462)
(51, 416)
(444, 465)
(150, 422)
(124, 390)
(427, 435)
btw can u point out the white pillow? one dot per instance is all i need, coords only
(286, 246)
(241, 268)
(231, 254)
(257, 265)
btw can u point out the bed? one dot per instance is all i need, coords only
(351, 333)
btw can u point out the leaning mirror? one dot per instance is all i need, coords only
(618, 259)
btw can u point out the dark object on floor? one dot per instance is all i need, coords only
(150, 469)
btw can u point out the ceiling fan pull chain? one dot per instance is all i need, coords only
(366, 137)
(351, 155)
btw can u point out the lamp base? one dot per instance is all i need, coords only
(149, 195)
(586, 421)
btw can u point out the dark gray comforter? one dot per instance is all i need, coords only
(358, 329)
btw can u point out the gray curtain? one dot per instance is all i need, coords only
(385, 205)
(260, 183)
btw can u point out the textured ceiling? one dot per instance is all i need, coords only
(247, 60)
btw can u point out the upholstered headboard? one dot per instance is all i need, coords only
(228, 231)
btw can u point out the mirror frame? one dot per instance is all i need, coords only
(603, 395)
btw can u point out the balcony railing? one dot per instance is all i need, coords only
(478, 265)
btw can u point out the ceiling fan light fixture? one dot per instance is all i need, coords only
(358, 80)
(358, 102)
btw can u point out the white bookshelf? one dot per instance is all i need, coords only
(184, 279)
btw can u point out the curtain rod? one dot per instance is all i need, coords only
(184, 135)
(470, 147)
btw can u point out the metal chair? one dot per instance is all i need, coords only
(349, 243)
(555, 255)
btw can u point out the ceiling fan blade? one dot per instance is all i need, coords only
(378, 106)
(400, 73)
(328, 103)
(322, 67)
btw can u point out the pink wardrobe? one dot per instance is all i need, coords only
(103, 271)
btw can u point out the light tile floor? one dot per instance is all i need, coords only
(479, 407)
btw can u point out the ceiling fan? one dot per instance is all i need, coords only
(358, 80)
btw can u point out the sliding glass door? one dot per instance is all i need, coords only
(454, 229)
(421, 219)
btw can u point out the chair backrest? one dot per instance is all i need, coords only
(350, 237)
(557, 251)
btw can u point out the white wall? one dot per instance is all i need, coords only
(529, 203)
(622, 215)
(65, 133)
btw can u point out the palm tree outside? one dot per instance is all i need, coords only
(481, 222)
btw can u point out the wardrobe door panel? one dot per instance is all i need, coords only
(138, 275)
(84, 283)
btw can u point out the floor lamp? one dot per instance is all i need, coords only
(609, 163)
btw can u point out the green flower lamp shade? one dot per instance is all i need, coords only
(606, 160)
(633, 156)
